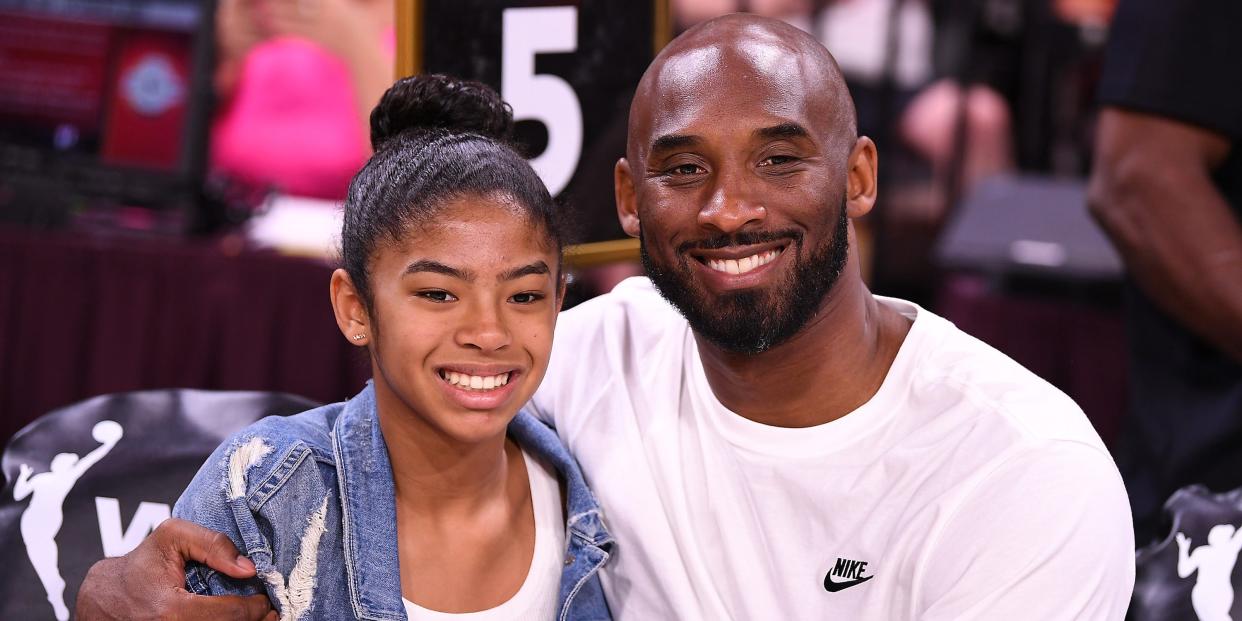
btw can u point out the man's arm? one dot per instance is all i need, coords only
(149, 582)
(1152, 192)
(1045, 534)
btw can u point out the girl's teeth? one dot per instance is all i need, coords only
(476, 382)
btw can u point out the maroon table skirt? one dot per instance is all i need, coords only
(84, 316)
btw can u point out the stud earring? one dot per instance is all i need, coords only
(359, 337)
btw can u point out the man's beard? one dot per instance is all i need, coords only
(755, 320)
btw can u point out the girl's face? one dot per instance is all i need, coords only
(462, 317)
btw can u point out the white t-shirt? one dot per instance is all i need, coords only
(969, 487)
(536, 598)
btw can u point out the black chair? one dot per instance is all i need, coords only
(1192, 573)
(91, 480)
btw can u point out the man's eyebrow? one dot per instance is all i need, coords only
(436, 267)
(784, 130)
(668, 142)
(538, 267)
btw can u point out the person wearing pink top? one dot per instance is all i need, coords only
(294, 83)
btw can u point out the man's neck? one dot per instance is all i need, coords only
(835, 364)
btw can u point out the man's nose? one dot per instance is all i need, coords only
(733, 204)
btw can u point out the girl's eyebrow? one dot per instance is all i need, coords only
(538, 267)
(436, 267)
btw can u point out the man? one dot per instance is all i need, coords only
(782, 444)
(1167, 189)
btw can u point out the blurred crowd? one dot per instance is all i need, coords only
(952, 91)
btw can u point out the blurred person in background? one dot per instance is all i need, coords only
(921, 82)
(1167, 188)
(295, 82)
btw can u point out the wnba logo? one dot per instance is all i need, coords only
(43, 517)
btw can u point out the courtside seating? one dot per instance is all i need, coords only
(92, 479)
(1192, 574)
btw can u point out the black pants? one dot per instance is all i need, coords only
(1185, 419)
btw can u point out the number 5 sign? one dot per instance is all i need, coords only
(568, 68)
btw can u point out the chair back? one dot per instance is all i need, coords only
(1192, 573)
(91, 480)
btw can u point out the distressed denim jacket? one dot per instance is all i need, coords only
(310, 500)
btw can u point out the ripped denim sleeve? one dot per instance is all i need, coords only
(272, 505)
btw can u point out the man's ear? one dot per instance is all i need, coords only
(862, 178)
(627, 206)
(351, 313)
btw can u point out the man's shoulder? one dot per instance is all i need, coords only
(633, 296)
(633, 314)
(984, 383)
(628, 337)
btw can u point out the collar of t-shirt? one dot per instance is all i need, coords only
(786, 442)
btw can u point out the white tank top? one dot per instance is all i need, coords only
(536, 599)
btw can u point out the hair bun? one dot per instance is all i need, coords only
(436, 101)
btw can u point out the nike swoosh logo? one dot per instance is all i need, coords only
(833, 586)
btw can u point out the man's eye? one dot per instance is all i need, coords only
(777, 160)
(436, 296)
(526, 298)
(686, 169)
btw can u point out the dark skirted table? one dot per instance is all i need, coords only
(83, 316)
(87, 315)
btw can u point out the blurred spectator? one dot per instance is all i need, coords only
(921, 85)
(687, 13)
(1167, 188)
(296, 81)
(885, 49)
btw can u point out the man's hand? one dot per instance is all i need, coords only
(149, 583)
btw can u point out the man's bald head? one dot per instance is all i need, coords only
(715, 58)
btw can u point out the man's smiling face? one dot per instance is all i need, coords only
(738, 160)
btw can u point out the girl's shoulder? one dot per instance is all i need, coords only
(251, 459)
(312, 428)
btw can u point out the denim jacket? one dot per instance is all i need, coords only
(310, 500)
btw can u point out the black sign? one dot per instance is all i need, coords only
(568, 69)
(91, 480)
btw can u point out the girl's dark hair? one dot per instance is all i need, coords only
(436, 138)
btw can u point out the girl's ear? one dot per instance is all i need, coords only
(351, 312)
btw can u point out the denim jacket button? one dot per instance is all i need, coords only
(569, 560)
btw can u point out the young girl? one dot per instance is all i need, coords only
(427, 495)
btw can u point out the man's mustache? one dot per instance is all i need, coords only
(746, 238)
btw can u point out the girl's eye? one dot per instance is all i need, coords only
(436, 296)
(526, 298)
